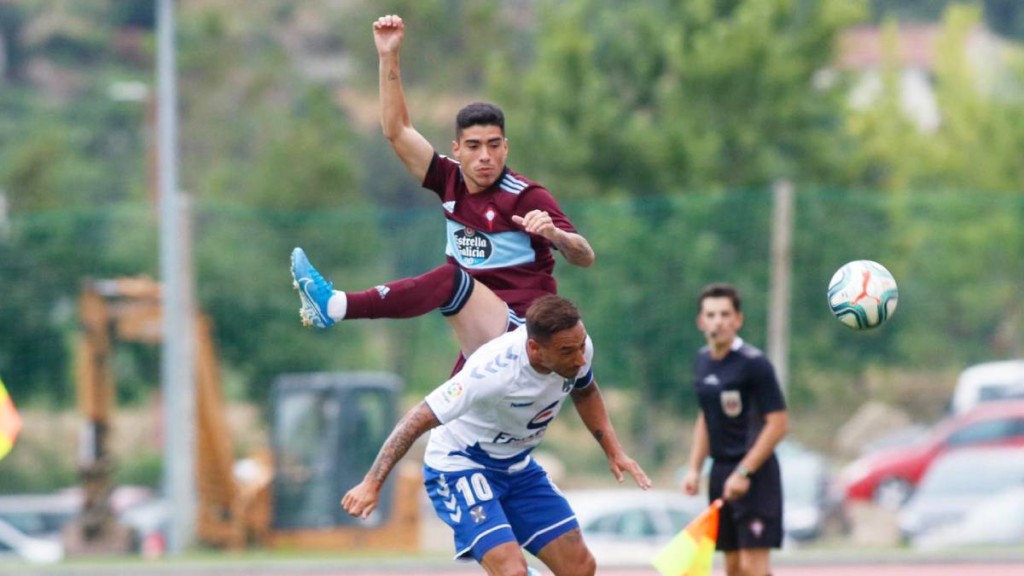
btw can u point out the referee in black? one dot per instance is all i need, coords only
(742, 418)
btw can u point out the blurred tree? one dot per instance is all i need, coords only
(616, 101)
(1006, 17)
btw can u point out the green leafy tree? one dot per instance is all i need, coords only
(617, 101)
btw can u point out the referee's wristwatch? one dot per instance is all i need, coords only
(743, 471)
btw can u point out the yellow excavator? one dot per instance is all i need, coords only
(325, 430)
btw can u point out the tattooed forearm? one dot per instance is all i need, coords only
(575, 249)
(598, 435)
(413, 425)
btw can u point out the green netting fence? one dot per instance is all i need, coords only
(958, 257)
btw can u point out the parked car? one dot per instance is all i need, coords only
(43, 516)
(630, 526)
(150, 523)
(812, 503)
(40, 515)
(998, 520)
(957, 482)
(30, 525)
(986, 382)
(20, 546)
(889, 476)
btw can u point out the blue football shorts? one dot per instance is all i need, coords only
(486, 508)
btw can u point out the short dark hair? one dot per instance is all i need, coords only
(549, 315)
(479, 114)
(721, 290)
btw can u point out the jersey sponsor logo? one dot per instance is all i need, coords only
(449, 206)
(711, 380)
(506, 438)
(732, 403)
(544, 417)
(473, 247)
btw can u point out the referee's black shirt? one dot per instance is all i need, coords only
(735, 393)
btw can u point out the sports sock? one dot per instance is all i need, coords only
(444, 287)
(337, 306)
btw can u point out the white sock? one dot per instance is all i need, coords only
(337, 305)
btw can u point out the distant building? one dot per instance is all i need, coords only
(863, 50)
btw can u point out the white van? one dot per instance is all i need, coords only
(988, 381)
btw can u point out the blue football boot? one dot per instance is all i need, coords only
(314, 291)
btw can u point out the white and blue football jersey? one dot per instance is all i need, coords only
(496, 410)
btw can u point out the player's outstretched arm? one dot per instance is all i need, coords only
(362, 500)
(412, 148)
(573, 246)
(591, 408)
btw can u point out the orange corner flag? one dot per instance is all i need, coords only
(10, 422)
(692, 551)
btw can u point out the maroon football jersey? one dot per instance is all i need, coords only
(483, 239)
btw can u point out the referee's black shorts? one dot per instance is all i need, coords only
(755, 520)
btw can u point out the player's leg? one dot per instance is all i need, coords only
(475, 313)
(483, 317)
(568, 555)
(470, 502)
(505, 560)
(732, 564)
(545, 524)
(755, 561)
(727, 541)
(756, 521)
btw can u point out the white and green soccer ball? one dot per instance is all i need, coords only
(862, 294)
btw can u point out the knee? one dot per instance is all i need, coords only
(582, 565)
(509, 567)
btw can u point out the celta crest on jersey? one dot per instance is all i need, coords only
(474, 248)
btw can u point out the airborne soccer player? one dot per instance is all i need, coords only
(500, 226)
(484, 422)
(742, 418)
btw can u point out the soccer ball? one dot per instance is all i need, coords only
(862, 294)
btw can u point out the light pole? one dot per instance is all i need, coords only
(177, 355)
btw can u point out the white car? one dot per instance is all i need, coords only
(36, 550)
(629, 526)
(998, 520)
(956, 483)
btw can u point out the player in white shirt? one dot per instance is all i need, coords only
(483, 424)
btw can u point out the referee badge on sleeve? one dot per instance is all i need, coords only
(732, 403)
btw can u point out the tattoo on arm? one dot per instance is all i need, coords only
(598, 435)
(413, 425)
(392, 75)
(575, 248)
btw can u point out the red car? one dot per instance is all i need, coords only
(889, 476)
